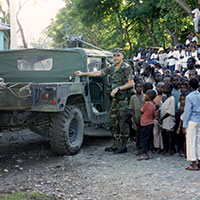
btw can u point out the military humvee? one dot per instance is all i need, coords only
(39, 91)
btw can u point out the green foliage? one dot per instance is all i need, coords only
(26, 196)
(93, 11)
(4, 15)
(122, 23)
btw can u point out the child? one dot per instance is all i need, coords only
(158, 143)
(167, 118)
(146, 122)
(166, 79)
(184, 88)
(181, 136)
(175, 79)
(147, 86)
(191, 125)
(192, 74)
(136, 103)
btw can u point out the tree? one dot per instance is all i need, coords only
(6, 18)
(21, 4)
(128, 24)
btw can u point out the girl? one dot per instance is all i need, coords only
(147, 122)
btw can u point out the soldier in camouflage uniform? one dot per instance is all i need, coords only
(121, 81)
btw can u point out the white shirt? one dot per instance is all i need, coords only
(187, 42)
(196, 12)
(171, 61)
(162, 56)
(194, 39)
(153, 56)
(168, 107)
(194, 54)
(184, 59)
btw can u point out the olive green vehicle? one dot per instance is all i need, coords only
(39, 91)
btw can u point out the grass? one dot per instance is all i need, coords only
(26, 196)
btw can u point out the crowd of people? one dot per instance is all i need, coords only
(165, 107)
(174, 58)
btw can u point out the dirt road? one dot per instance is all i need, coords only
(27, 164)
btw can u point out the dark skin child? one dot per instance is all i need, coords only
(158, 77)
(167, 91)
(138, 88)
(183, 89)
(192, 74)
(166, 79)
(159, 88)
(175, 81)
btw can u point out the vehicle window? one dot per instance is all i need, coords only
(94, 64)
(35, 63)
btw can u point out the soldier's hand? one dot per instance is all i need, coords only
(78, 73)
(112, 94)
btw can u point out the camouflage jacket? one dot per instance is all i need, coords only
(118, 76)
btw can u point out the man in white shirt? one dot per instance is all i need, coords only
(172, 59)
(196, 13)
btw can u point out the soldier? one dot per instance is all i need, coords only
(121, 82)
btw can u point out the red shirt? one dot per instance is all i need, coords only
(148, 111)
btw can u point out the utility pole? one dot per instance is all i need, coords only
(13, 24)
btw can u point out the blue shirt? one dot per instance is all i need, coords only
(176, 94)
(192, 108)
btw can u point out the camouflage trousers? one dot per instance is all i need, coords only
(119, 125)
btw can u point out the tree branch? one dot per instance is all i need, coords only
(185, 7)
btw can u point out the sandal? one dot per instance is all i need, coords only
(190, 167)
(142, 158)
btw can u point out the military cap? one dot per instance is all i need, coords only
(117, 51)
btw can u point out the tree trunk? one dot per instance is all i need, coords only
(185, 7)
(170, 32)
(22, 34)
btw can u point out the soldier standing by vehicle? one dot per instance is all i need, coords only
(121, 82)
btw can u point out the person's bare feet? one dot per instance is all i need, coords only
(150, 155)
(193, 166)
(143, 157)
(190, 167)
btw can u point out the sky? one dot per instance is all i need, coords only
(36, 15)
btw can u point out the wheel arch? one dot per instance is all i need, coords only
(81, 102)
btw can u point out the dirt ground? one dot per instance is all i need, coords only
(27, 164)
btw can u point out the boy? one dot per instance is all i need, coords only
(175, 79)
(136, 103)
(167, 118)
(146, 122)
(191, 125)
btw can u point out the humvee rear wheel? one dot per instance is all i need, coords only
(67, 131)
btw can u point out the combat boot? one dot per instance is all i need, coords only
(115, 145)
(122, 148)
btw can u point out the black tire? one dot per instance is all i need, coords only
(67, 131)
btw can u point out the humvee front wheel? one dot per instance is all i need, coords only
(67, 131)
